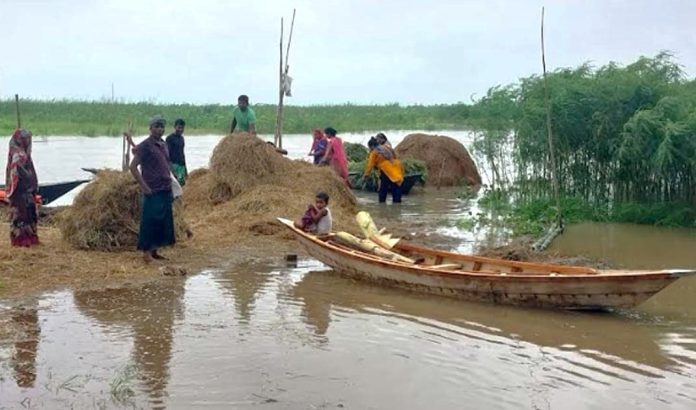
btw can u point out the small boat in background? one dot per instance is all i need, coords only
(50, 192)
(485, 279)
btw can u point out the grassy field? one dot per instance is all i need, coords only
(64, 117)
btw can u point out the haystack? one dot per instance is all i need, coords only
(447, 160)
(106, 214)
(249, 184)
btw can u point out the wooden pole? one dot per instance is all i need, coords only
(554, 177)
(287, 52)
(19, 118)
(283, 74)
(279, 114)
(125, 154)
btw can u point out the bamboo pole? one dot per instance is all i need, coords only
(279, 113)
(287, 52)
(19, 118)
(552, 154)
(125, 154)
(283, 74)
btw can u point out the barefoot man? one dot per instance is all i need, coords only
(156, 218)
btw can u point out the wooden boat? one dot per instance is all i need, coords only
(50, 192)
(485, 279)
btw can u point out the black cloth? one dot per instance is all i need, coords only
(385, 186)
(156, 221)
(175, 146)
(154, 164)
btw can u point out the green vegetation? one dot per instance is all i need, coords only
(411, 166)
(356, 152)
(121, 387)
(625, 141)
(68, 117)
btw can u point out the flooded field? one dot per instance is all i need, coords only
(270, 335)
(302, 337)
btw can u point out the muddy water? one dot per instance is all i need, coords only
(302, 337)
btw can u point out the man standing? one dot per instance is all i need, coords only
(175, 147)
(243, 116)
(156, 218)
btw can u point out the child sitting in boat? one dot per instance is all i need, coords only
(317, 218)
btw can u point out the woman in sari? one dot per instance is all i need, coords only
(21, 185)
(319, 144)
(335, 155)
(391, 171)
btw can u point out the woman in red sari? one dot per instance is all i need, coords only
(336, 155)
(21, 185)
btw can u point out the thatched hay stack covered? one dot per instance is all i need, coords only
(249, 184)
(447, 160)
(106, 214)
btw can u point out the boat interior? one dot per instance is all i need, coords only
(449, 261)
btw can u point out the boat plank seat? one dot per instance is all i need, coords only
(486, 264)
(448, 266)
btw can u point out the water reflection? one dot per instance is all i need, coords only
(244, 285)
(151, 312)
(26, 323)
(302, 338)
(607, 337)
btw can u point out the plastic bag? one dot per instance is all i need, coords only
(287, 85)
(177, 191)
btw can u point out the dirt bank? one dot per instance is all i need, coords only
(231, 210)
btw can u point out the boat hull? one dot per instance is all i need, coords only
(587, 293)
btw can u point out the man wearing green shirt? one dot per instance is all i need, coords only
(243, 116)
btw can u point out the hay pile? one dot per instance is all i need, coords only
(447, 160)
(106, 214)
(249, 184)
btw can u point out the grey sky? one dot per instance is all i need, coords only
(360, 51)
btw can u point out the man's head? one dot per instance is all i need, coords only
(179, 126)
(321, 201)
(243, 102)
(330, 132)
(157, 124)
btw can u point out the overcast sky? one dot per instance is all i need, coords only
(209, 51)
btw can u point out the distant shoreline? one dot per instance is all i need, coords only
(104, 118)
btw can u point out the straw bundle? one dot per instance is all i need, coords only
(106, 214)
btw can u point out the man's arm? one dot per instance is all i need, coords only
(234, 125)
(252, 129)
(371, 163)
(138, 176)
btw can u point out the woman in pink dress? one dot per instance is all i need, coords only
(336, 155)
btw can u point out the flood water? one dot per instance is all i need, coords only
(269, 335)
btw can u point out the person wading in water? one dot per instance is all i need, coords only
(391, 171)
(154, 178)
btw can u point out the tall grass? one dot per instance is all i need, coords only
(92, 118)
